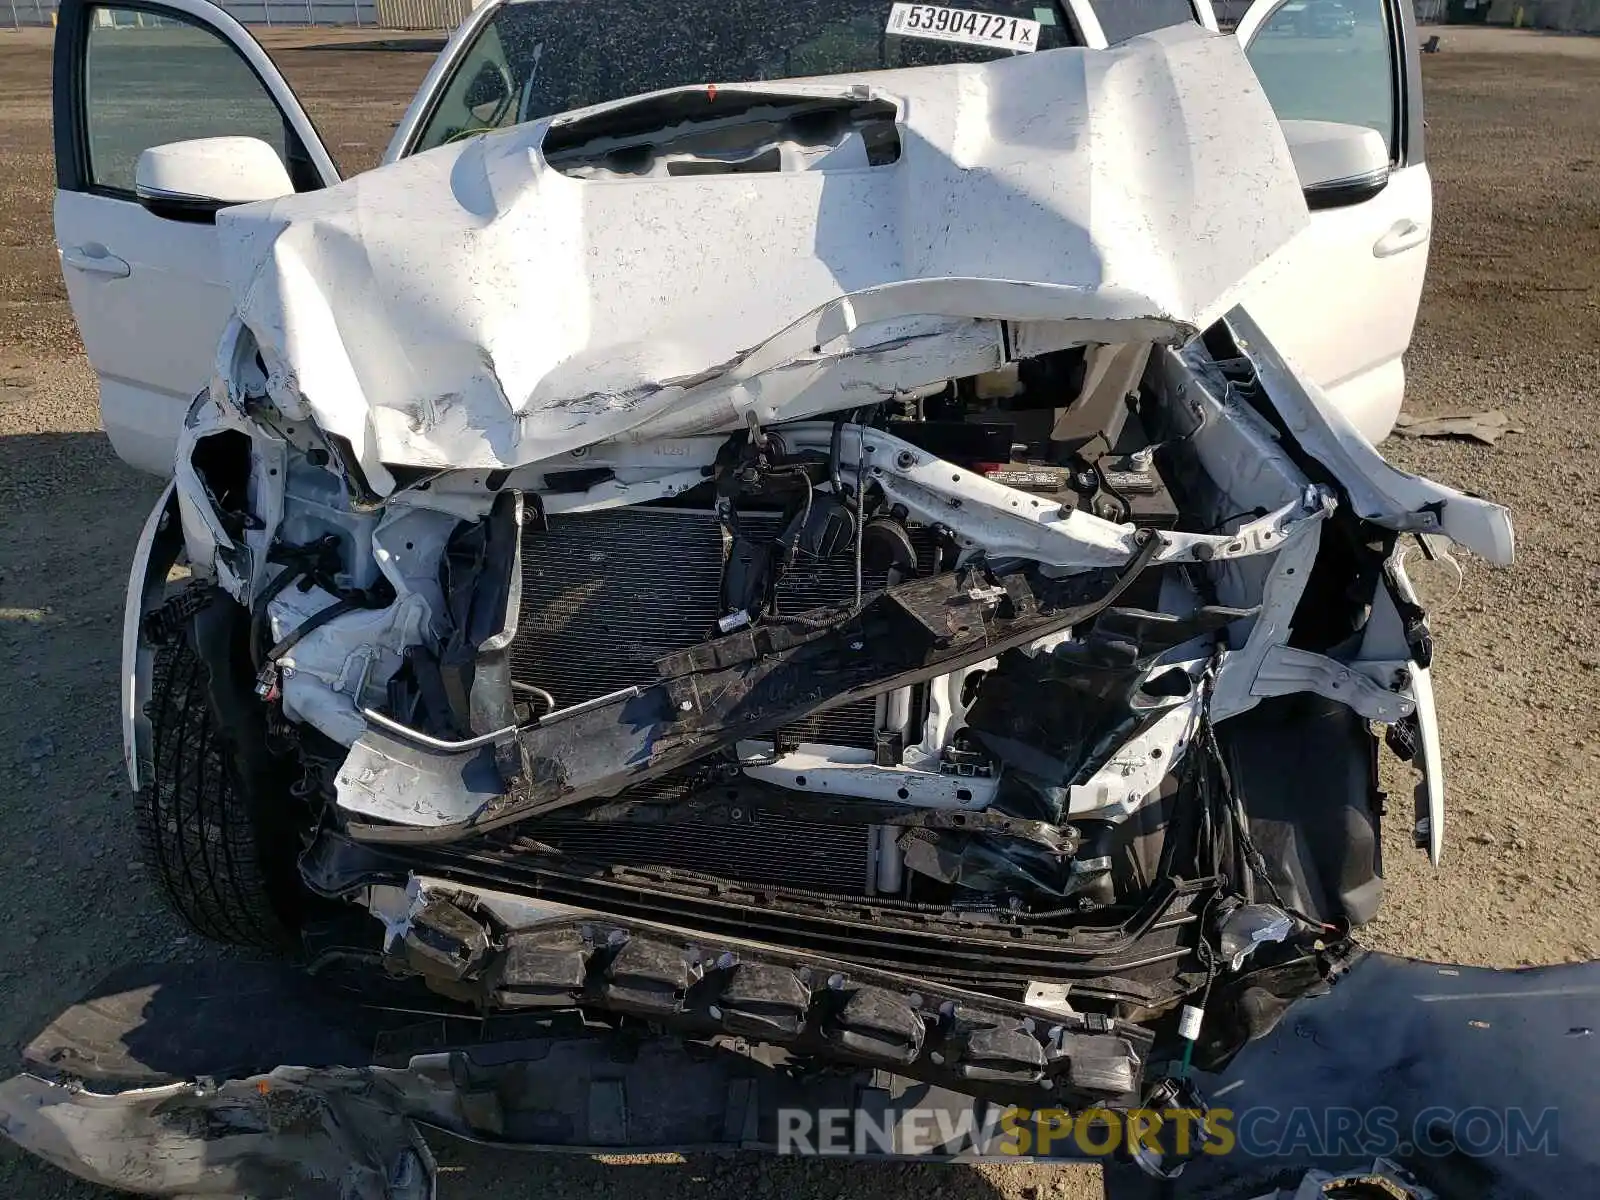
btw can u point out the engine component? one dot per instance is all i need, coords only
(964, 442)
(1132, 489)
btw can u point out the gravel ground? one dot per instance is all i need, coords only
(1508, 321)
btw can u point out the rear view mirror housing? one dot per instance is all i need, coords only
(1337, 164)
(488, 86)
(191, 180)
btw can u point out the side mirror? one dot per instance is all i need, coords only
(489, 88)
(190, 181)
(1337, 164)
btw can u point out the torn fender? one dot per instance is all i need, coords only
(160, 541)
(1379, 492)
(248, 1080)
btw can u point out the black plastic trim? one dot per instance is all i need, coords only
(1410, 148)
(1341, 193)
(197, 210)
(67, 85)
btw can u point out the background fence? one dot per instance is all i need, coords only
(303, 12)
(389, 14)
(26, 12)
(1573, 16)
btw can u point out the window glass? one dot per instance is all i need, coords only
(152, 80)
(1123, 19)
(534, 58)
(1328, 60)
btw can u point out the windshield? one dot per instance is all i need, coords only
(534, 58)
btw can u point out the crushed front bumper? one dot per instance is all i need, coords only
(170, 1081)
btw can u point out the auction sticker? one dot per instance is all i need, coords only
(939, 24)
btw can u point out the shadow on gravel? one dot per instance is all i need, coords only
(40, 472)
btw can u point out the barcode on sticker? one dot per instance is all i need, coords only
(939, 24)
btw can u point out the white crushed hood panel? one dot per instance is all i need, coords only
(473, 307)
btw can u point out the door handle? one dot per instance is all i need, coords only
(1402, 235)
(95, 259)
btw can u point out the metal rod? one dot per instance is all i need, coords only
(530, 689)
(561, 714)
(405, 732)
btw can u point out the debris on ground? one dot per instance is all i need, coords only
(1384, 1182)
(1486, 427)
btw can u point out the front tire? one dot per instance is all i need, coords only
(217, 836)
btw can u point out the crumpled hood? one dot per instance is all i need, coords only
(474, 307)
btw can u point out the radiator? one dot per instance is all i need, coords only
(606, 594)
(772, 850)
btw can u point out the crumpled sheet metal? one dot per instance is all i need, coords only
(1377, 490)
(313, 1135)
(472, 307)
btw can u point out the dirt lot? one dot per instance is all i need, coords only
(1509, 321)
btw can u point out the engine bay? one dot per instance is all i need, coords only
(1005, 684)
(777, 531)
